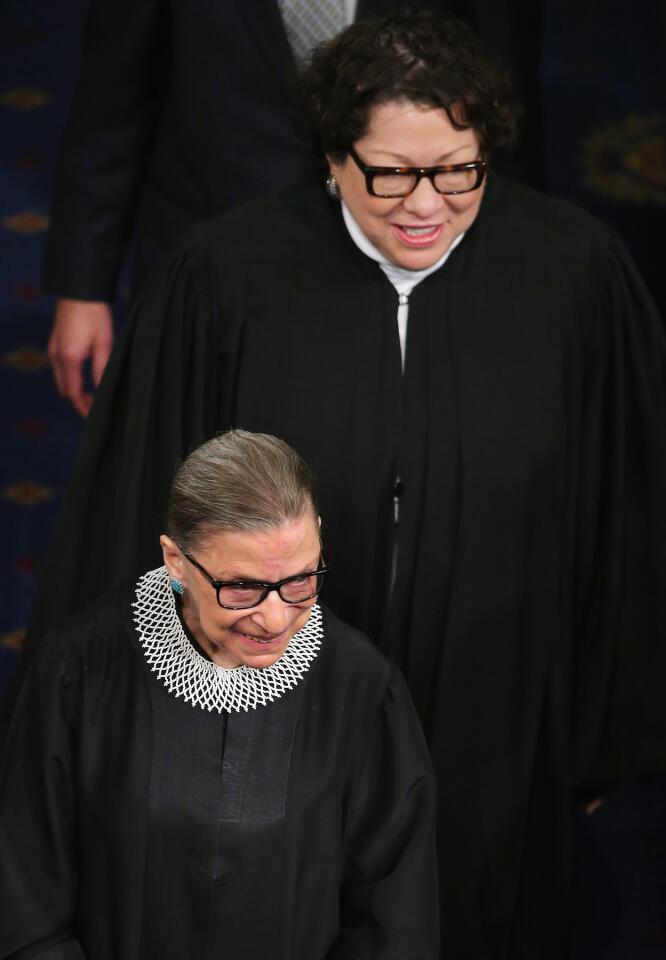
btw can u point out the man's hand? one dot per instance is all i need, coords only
(81, 329)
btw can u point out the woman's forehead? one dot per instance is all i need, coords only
(401, 127)
(293, 540)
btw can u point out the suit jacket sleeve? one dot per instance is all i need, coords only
(619, 707)
(107, 145)
(389, 904)
(37, 869)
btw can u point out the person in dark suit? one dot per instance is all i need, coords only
(181, 111)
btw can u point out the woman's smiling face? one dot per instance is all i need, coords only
(413, 231)
(256, 637)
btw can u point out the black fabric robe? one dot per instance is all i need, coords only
(134, 825)
(528, 432)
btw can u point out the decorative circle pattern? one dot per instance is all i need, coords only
(28, 493)
(25, 98)
(26, 223)
(26, 359)
(626, 160)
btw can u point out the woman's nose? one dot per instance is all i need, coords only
(424, 200)
(272, 614)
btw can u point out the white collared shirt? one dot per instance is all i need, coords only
(402, 279)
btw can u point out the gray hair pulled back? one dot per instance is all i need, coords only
(238, 481)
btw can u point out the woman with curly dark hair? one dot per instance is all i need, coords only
(475, 373)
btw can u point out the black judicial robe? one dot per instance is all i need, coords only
(134, 825)
(528, 432)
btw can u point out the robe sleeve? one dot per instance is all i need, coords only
(619, 704)
(389, 903)
(158, 400)
(37, 871)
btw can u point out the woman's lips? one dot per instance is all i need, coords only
(418, 236)
(263, 641)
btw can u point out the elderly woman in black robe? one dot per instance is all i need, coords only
(218, 767)
(476, 373)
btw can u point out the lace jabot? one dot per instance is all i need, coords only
(199, 681)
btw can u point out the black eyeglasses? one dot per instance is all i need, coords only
(394, 182)
(243, 594)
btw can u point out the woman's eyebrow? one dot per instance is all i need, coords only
(244, 578)
(403, 161)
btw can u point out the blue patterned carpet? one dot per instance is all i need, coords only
(38, 59)
(603, 80)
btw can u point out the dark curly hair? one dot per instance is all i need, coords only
(421, 58)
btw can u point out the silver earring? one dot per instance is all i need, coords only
(332, 187)
(177, 586)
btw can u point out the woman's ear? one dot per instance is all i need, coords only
(173, 558)
(331, 183)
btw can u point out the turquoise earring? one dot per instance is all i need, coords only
(177, 586)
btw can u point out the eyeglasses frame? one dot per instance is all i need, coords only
(267, 587)
(371, 172)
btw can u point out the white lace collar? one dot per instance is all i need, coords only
(187, 674)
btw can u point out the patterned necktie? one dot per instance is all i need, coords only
(309, 22)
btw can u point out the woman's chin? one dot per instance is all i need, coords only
(261, 662)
